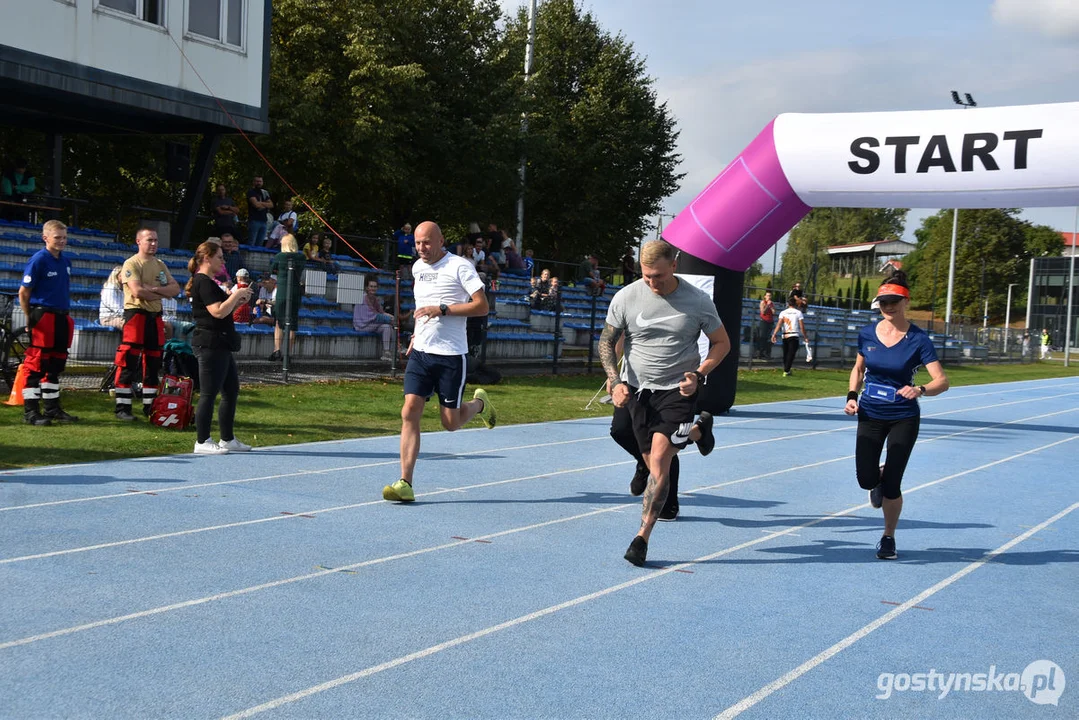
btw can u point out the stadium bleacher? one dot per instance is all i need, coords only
(516, 331)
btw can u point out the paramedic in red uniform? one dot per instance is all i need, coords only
(146, 281)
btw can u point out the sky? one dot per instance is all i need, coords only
(725, 68)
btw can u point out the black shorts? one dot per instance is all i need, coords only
(661, 411)
(426, 373)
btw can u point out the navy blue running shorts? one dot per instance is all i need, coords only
(426, 373)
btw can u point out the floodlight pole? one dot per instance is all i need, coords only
(1071, 293)
(529, 48)
(969, 102)
(1008, 317)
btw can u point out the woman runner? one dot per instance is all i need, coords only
(889, 353)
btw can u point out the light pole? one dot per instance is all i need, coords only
(969, 102)
(529, 46)
(1071, 292)
(1008, 317)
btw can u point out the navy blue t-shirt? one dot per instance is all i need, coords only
(49, 280)
(889, 368)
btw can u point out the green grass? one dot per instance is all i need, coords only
(277, 415)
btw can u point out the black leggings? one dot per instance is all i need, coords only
(790, 349)
(901, 436)
(217, 374)
(622, 433)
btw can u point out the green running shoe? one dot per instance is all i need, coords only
(400, 491)
(487, 414)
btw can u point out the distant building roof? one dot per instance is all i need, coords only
(881, 247)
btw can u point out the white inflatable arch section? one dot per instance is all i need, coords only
(1021, 156)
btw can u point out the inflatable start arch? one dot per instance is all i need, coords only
(1021, 156)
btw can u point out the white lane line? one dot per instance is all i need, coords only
(301, 473)
(441, 491)
(422, 551)
(751, 700)
(515, 622)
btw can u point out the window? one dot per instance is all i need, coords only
(220, 20)
(151, 11)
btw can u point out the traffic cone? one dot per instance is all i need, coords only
(16, 389)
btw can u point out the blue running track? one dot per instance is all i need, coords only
(279, 584)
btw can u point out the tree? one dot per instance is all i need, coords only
(600, 146)
(825, 227)
(1005, 242)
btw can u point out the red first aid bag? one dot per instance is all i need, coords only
(172, 408)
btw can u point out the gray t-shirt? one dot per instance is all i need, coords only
(661, 332)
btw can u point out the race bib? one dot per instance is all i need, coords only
(883, 393)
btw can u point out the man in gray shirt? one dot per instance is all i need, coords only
(662, 318)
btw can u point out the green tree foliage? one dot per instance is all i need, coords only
(600, 146)
(825, 227)
(383, 111)
(998, 237)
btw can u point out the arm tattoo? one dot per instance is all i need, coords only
(607, 340)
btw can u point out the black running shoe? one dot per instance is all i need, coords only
(707, 443)
(125, 415)
(59, 416)
(35, 418)
(275, 355)
(886, 548)
(638, 550)
(669, 511)
(639, 481)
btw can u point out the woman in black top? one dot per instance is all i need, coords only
(214, 340)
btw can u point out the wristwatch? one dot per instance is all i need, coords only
(702, 379)
(444, 308)
(922, 388)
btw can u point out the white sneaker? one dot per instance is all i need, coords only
(234, 445)
(210, 448)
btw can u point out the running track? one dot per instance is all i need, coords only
(279, 584)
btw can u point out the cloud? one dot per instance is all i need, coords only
(1054, 18)
(720, 111)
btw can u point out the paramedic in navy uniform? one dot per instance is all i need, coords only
(889, 354)
(448, 292)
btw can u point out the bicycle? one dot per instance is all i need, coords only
(13, 341)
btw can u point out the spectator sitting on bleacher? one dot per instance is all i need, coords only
(367, 316)
(539, 289)
(16, 185)
(589, 276)
(263, 314)
(514, 264)
(242, 314)
(230, 249)
(490, 268)
(552, 299)
(110, 312)
(479, 256)
(310, 248)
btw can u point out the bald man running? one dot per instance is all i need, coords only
(447, 291)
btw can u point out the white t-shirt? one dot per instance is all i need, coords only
(789, 320)
(451, 280)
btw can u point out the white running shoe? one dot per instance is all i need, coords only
(210, 448)
(234, 445)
